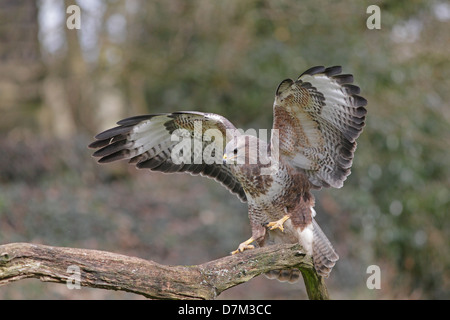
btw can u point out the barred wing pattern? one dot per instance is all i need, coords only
(319, 117)
(149, 140)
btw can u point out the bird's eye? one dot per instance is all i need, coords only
(235, 151)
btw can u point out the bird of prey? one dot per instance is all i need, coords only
(317, 119)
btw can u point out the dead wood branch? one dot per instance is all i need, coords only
(106, 270)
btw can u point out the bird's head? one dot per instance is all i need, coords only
(246, 150)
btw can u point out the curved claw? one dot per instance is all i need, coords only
(277, 224)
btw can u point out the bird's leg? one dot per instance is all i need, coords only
(258, 233)
(244, 246)
(277, 224)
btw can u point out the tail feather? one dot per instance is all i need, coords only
(323, 252)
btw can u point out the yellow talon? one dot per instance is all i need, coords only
(277, 224)
(244, 246)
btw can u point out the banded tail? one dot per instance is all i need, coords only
(324, 257)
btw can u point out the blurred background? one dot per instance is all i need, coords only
(59, 87)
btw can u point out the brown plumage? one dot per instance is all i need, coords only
(317, 119)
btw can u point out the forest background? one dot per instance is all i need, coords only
(61, 86)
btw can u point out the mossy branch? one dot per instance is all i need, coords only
(111, 271)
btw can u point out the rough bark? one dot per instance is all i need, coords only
(106, 270)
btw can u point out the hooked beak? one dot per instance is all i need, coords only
(226, 159)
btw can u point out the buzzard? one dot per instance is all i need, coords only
(317, 119)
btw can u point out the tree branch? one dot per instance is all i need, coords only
(101, 269)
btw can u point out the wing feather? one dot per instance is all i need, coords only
(319, 117)
(147, 141)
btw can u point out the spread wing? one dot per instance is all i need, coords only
(319, 117)
(172, 142)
